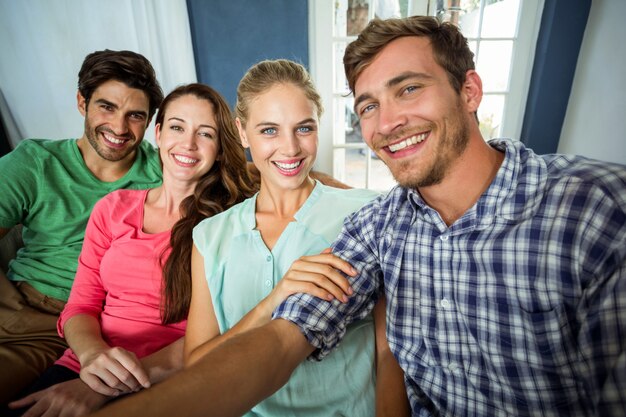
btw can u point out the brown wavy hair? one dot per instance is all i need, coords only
(226, 184)
(450, 48)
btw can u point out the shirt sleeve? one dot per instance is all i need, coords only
(601, 312)
(88, 291)
(324, 323)
(19, 172)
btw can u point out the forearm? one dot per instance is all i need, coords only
(165, 362)
(257, 317)
(83, 335)
(255, 364)
(391, 396)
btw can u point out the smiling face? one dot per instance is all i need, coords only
(116, 118)
(410, 114)
(281, 132)
(187, 139)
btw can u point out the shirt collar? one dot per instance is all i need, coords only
(513, 194)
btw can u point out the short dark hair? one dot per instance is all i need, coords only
(128, 67)
(450, 48)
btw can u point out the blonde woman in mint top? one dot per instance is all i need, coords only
(241, 256)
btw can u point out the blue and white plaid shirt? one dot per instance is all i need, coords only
(518, 308)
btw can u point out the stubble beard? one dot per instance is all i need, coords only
(104, 152)
(452, 143)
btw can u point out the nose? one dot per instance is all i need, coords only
(119, 125)
(189, 140)
(390, 117)
(290, 145)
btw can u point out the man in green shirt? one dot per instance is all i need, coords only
(50, 187)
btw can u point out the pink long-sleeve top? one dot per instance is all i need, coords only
(119, 279)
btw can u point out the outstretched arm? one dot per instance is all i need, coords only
(317, 275)
(253, 364)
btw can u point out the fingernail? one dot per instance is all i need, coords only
(353, 271)
(344, 299)
(350, 291)
(329, 297)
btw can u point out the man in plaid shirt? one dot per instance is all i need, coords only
(504, 271)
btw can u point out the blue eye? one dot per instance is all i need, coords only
(411, 89)
(269, 131)
(367, 109)
(305, 129)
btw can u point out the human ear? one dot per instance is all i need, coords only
(81, 103)
(242, 133)
(157, 135)
(472, 91)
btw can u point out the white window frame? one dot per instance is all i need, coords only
(321, 14)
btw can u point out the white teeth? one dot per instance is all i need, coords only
(290, 166)
(408, 142)
(185, 159)
(114, 140)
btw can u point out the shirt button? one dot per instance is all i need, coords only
(443, 237)
(452, 367)
(268, 283)
(269, 258)
(444, 303)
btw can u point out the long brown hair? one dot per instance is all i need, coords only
(227, 183)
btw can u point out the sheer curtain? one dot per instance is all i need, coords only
(43, 44)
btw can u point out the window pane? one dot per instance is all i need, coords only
(357, 15)
(386, 9)
(500, 19)
(341, 123)
(493, 65)
(380, 176)
(340, 85)
(353, 127)
(469, 18)
(353, 164)
(339, 22)
(490, 115)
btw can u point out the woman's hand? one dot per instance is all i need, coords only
(113, 371)
(66, 399)
(320, 275)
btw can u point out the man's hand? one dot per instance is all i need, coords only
(66, 399)
(113, 371)
(318, 275)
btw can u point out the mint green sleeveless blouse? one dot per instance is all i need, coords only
(241, 271)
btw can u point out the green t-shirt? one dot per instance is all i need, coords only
(46, 186)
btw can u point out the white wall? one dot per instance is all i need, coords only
(595, 122)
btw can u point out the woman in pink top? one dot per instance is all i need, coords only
(125, 317)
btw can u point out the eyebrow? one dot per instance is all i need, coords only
(107, 102)
(273, 124)
(183, 121)
(398, 79)
(115, 106)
